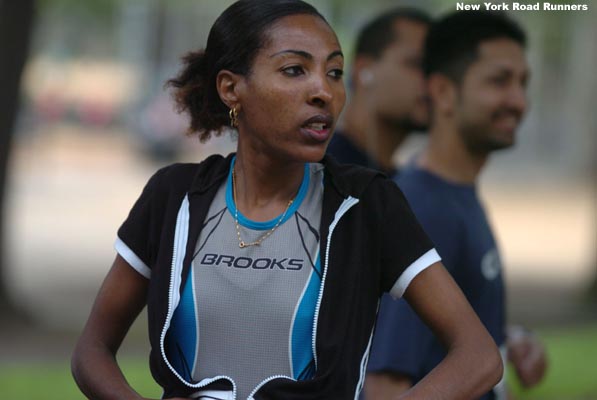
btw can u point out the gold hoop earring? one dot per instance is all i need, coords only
(233, 114)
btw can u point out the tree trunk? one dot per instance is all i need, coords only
(16, 23)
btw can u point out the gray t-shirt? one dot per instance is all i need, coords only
(248, 313)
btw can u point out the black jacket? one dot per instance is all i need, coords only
(368, 238)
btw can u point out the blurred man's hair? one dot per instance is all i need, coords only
(380, 32)
(452, 43)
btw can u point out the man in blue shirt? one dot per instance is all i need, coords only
(477, 74)
(388, 99)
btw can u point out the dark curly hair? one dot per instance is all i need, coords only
(233, 41)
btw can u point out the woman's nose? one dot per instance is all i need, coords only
(321, 93)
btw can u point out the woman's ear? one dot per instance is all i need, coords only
(227, 84)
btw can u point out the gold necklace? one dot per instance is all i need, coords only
(242, 243)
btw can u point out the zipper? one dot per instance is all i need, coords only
(365, 360)
(263, 382)
(175, 272)
(344, 207)
(180, 242)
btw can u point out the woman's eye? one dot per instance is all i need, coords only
(293, 70)
(336, 73)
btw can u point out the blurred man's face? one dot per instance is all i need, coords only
(398, 90)
(492, 99)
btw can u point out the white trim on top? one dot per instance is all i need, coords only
(131, 258)
(412, 271)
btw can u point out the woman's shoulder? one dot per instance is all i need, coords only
(186, 177)
(350, 179)
(178, 171)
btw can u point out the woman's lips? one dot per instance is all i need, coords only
(320, 134)
(318, 128)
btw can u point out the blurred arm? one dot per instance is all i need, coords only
(118, 303)
(527, 355)
(473, 364)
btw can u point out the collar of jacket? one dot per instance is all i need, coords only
(348, 180)
(211, 171)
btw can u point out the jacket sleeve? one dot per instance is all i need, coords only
(139, 234)
(406, 250)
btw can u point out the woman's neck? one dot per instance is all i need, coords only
(265, 186)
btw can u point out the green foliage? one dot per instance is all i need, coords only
(37, 381)
(53, 381)
(571, 373)
(97, 8)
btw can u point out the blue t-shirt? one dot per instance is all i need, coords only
(455, 220)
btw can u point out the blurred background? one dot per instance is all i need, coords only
(92, 121)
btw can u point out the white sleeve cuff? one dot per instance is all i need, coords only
(413, 270)
(131, 258)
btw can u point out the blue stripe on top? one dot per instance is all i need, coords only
(265, 225)
(303, 361)
(181, 339)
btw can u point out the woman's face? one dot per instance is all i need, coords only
(292, 98)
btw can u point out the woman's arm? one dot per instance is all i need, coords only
(386, 385)
(117, 305)
(473, 364)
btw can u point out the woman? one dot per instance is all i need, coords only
(262, 271)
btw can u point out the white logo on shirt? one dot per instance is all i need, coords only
(491, 265)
